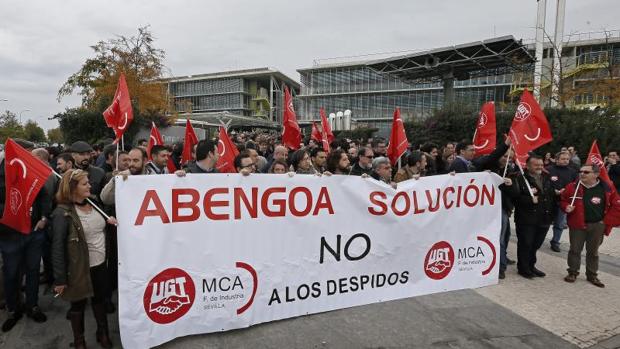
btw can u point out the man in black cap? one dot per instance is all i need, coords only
(21, 254)
(96, 176)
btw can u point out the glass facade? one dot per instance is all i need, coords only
(374, 96)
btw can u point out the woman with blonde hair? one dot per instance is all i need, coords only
(79, 255)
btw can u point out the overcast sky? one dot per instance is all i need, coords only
(43, 42)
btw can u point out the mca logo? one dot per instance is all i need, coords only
(439, 260)
(523, 111)
(169, 295)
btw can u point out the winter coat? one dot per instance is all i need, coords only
(70, 259)
(526, 211)
(576, 219)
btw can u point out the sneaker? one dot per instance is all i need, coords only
(11, 321)
(570, 278)
(510, 261)
(502, 275)
(555, 248)
(36, 314)
(596, 282)
(538, 273)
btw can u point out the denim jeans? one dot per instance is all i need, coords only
(504, 237)
(558, 226)
(22, 256)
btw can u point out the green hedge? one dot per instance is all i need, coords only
(568, 127)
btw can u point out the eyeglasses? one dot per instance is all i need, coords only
(75, 173)
(250, 165)
(585, 172)
(368, 156)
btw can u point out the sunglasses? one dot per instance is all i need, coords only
(585, 172)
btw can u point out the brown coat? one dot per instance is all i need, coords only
(70, 254)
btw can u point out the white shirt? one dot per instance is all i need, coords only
(94, 226)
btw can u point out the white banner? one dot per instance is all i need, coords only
(210, 253)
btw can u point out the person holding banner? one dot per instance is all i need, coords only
(535, 206)
(415, 167)
(79, 255)
(206, 158)
(586, 203)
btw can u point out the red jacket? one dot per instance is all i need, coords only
(576, 219)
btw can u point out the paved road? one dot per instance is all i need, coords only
(517, 313)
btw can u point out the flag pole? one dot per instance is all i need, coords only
(572, 202)
(116, 168)
(97, 208)
(507, 162)
(123, 142)
(527, 183)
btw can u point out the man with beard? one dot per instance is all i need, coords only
(159, 162)
(318, 158)
(81, 152)
(363, 163)
(64, 163)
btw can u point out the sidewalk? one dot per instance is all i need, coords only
(580, 313)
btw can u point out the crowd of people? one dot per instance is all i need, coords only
(77, 246)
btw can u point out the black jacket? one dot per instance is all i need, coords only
(561, 175)
(614, 175)
(357, 170)
(194, 168)
(96, 178)
(526, 211)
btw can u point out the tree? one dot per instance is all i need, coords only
(54, 135)
(33, 132)
(138, 59)
(10, 126)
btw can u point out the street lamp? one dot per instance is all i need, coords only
(20, 115)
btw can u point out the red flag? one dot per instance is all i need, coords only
(326, 128)
(485, 135)
(188, 144)
(316, 134)
(530, 128)
(119, 114)
(156, 139)
(398, 139)
(227, 151)
(595, 158)
(25, 176)
(291, 134)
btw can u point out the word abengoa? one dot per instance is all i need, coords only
(239, 202)
(195, 257)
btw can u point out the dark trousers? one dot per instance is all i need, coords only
(47, 257)
(504, 238)
(22, 255)
(99, 279)
(530, 238)
(112, 259)
(592, 237)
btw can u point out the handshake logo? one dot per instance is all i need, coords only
(169, 295)
(439, 260)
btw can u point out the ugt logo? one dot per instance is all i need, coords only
(439, 260)
(169, 295)
(523, 111)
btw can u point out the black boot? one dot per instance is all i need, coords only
(101, 317)
(77, 325)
